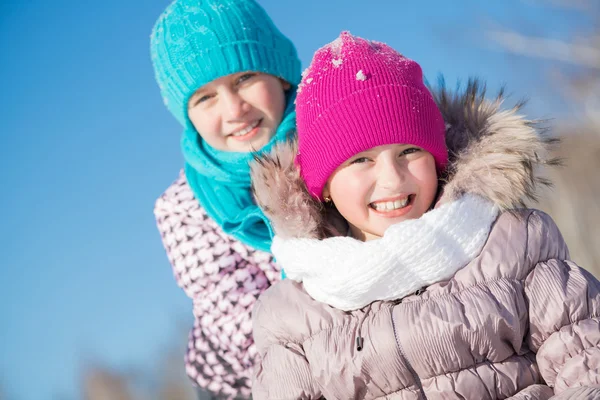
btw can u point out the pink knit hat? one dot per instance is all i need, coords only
(356, 95)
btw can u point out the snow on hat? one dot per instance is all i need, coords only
(359, 94)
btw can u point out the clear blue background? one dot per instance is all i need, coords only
(87, 146)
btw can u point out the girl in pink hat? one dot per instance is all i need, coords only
(415, 271)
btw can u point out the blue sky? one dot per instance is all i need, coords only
(87, 146)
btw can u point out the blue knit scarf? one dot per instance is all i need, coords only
(220, 181)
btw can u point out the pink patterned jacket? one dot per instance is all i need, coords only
(223, 277)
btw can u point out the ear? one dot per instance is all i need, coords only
(326, 192)
(285, 84)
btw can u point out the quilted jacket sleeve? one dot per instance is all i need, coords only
(564, 312)
(282, 372)
(224, 278)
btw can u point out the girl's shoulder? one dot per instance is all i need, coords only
(286, 313)
(533, 230)
(178, 206)
(518, 241)
(179, 199)
(187, 230)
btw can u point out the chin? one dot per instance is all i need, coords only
(379, 230)
(389, 223)
(259, 145)
(262, 141)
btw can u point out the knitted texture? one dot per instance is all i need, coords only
(197, 41)
(349, 274)
(356, 95)
(224, 278)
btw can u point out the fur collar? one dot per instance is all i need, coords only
(493, 153)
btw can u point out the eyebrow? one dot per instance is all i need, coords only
(363, 153)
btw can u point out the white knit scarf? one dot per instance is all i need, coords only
(349, 274)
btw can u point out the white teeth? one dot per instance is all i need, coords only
(247, 129)
(390, 205)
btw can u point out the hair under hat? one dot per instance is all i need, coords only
(359, 94)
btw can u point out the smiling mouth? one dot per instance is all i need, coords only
(392, 205)
(248, 132)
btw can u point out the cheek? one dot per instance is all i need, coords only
(343, 183)
(271, 99)
(348, 191)
(208, 127)
(203, 121)
(424, 172)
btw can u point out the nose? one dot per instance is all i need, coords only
(234, 105)
(390, 173)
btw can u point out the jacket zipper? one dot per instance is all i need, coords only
(405, 358)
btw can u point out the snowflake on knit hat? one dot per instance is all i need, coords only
(217, 7)
(336, 46)
(304, 81)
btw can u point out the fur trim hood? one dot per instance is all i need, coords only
(493, 153)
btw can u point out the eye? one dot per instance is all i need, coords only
(200, 99)
(245, 77)
(359, 160)
(410, 150)
(204, 98)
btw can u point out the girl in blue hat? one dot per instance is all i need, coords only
(229, 76)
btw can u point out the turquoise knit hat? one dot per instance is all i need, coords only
(197, 41)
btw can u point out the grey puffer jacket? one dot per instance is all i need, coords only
(519, 321)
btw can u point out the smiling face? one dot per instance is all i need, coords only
(383, 186)
(238, 112)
